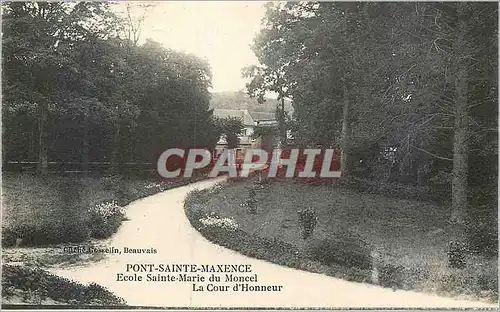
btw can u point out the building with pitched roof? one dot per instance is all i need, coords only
(263, 118)
(249, 120)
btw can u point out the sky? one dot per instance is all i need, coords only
(220, 31)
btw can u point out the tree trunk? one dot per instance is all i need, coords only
(461, 131)
(32, 150)
(86, 145)
(281, 120)
(131, 148)
(116, 149)
(42, 166)
(345, 132)
(282, 123)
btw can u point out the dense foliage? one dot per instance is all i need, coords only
(230, 129)
(37, 286)
(76, 91)
(406, 91)
(241, 100)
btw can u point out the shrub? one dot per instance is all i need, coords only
(37, 284)
(251, 202)
(121, 189)
(154, 187)
(11, 234)
(9, 237)
(105, 219)
(72, 231)
(342, 249)
(482, 234)
(45, 233)
(196, 196)
(487, 282)
(216, 188)
(457, 252)
(391, 275)
(307, 221)
(470, 281)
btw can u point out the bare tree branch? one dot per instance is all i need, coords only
(431, 154)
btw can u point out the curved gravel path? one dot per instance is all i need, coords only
(159, 222)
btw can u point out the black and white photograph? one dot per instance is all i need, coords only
(249, 155)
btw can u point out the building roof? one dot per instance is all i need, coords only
(262, 116)
(238, 113)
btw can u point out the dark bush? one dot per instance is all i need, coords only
(105, 219)
(74, 232)
(46, 233)
(251, 202)
(196, 196)
(487, 282)
(457, 252)
(8, 237)
(483, 284)
(307, 221)
(47, 285)
(17, 231)
(391, 275)
(101, 230)
(482, 233)
(344, 249)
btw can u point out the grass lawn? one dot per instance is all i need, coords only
(411, 237)
(55, 209)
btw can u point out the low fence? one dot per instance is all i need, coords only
(77, 167)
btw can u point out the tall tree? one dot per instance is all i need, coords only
(38, 40)
(263, 80)
(398, 85)
(231, 128)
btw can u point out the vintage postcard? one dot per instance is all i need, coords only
(249, 155)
